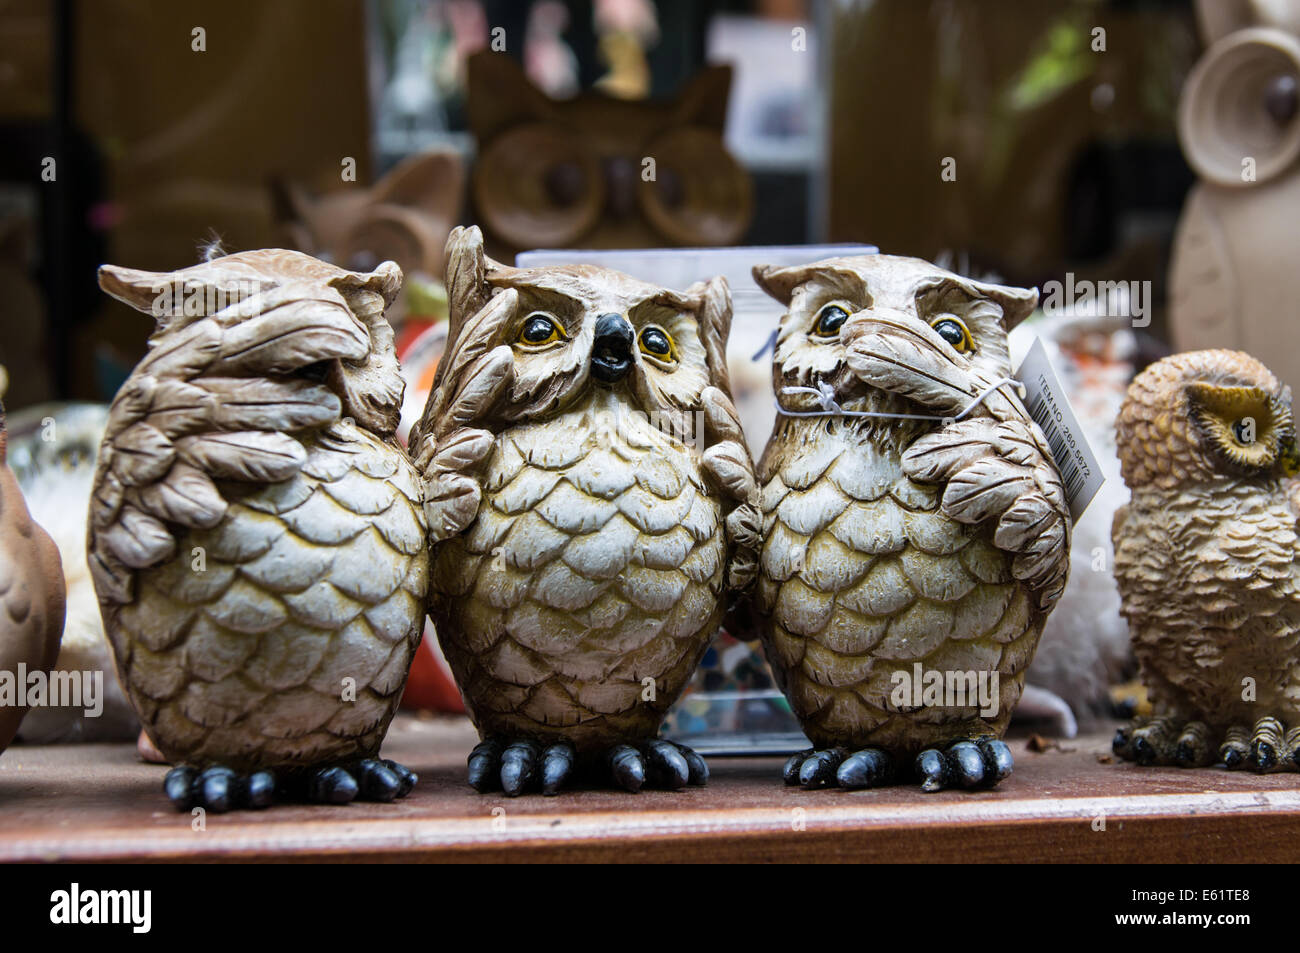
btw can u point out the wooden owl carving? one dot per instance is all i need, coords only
(595, 171)
(256, 535)
(1207, 561)
(918, 536)
(591, 503)
(32, 596)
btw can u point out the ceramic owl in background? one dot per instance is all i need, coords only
(595, 171)
(32, 595)
(1208, 562)
(592, 507)
(256, 534)
(896, 547)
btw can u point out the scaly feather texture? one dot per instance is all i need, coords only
(256, 536)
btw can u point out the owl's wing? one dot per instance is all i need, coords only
(210, 403)
(728, 464)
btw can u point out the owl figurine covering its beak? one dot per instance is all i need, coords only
(915, 528)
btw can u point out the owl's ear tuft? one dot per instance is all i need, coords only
(779, 282)
(385, 280)
(141, 289)
(713, 314)
(1016, 303)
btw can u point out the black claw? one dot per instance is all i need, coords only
(179, 787)
(791, 770)
(699, 768)
(966, 764)
(1263, 756)
(868, 768)
(1144, 752)
(998, 763)
(1185, 755)
(218, 788)
(1120, 743)
(557, 766)
(819, 770)
(406, 778)
(483, 761)
(332, 786)
(259, 790)
(518, 767)
(666, 766)
(1232, 758)
(378, 782)
(627, 768)
(932, 768)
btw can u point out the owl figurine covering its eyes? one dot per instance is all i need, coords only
(914, 538)
(1206, 558)
(591, 505)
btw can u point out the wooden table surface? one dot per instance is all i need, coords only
(99, 802)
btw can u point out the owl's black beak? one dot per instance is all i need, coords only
(611, 352)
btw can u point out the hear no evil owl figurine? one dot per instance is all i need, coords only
(915, 536)
(1206, 558)
(592, 505)
(256, 534)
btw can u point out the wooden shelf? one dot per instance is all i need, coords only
(98, 803)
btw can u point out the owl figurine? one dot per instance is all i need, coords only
(256, 537)
(592, 507)
(1208, 563)
(915, 527)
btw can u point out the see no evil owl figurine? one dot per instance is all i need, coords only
(256, 535)
(1208, 562)
(901, 545)
(591, 504)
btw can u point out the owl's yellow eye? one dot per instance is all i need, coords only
(1244, 431)
(539, 329)
(656, 342)
(829, 321)
(951, 329)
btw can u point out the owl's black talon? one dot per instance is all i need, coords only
(627, 768)
(519, 766)
(1263, 757)
(998, 763)
(259, 790)
(790, 773)
(1143, 751)
(699, 768)
(333, 785)
(557, 767)
(218, 789)
(484, 763)
(666, 767)
(868, 768)
(179, 787)
(376, 781)
(406, 778)
(966, 764)
(933, 770)
(818, 771)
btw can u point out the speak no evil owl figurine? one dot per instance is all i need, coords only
(256, 535)
(915, 537)
(591, 503)
(1207, 561)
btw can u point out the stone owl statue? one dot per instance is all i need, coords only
(32, 597)
(915, 536)
(256, 536)
(591, 505)
(1207, 561)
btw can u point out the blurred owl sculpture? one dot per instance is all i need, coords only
(915, 536)
(32, 598)
(1239, 126)
(256, 534)
(1206, 557)
(599, 172)
(592, 505)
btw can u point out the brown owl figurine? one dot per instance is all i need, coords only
(256, 535)
(32, 596)
(1207, 561)
(915, 529)
(591, 503)
(596, 171)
